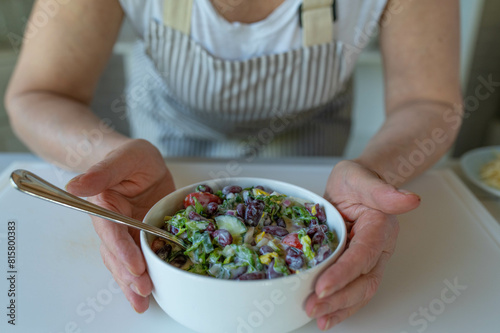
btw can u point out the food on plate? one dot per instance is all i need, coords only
(490, 172)
(246, 234)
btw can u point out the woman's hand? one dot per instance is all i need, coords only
(129, 181)
(368, 205)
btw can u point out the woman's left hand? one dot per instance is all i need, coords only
(369, 205)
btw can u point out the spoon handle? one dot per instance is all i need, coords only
(31, 184)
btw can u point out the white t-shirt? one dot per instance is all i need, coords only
(277, 33)
(159, 115)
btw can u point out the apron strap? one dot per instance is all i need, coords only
(317, 22)
(177, 14)
(316, 18)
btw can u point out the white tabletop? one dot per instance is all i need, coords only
(443, 277)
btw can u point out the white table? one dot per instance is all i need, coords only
(443, 277)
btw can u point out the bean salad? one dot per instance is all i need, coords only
(246, 234)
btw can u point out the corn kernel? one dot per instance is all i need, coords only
(266, 258)
(257, 191)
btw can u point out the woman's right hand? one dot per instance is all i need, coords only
(130, 180)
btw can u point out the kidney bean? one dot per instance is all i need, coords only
(179, 261)
(194, 216)
(241, 210)
(318, 238)
(275, 231)
(320, 213)
(260, 187)
(315, 228)
(204, 188)
(294, 259)
(212, 208)
(252, 276)
(271, 273)
(313, 222)
(164, 252)
(223, 237)
(253, 213)
(173, 230)
(280, 222)
(210, 227)
(323, 253)
(265, 249)
(231, 189)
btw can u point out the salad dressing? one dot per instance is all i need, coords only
(247, 234)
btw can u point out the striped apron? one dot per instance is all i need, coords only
(188, 102)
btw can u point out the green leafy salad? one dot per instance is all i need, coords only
(246, 234)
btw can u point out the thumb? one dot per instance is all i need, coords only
(376, 193)
(390, 200)
(371, 190)
(102, 176)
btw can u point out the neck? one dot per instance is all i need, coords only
(245, 11)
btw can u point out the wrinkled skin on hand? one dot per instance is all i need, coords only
(130, 180)
(368, 205)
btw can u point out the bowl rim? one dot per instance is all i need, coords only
(467, 159)
(234, 180)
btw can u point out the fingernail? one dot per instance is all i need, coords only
(136, 290)
(130, 271)
(325, 293)
(327, 325)
(401, 190)
(314, 311)
(74, 179)
(139, 312)
(321, 310)
(406, 192)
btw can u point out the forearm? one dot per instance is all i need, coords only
(411, 140)
(420, 46)
(61, 130)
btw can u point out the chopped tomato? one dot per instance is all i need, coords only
(204, 198)
(292, 240)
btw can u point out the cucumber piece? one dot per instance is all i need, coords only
(234, 225)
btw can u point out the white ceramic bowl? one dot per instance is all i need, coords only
(206, 304)
(472, 162)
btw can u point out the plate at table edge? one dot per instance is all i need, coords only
(472, 161)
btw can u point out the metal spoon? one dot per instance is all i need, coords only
(31, 184)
